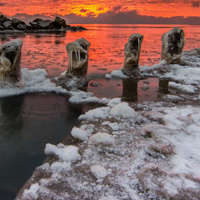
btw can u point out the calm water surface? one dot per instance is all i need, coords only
(30, 121)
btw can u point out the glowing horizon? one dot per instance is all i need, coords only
(87, 9)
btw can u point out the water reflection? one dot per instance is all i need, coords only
(11, 115)
(163, 87)
(151, 89)
(48, 50)
(27, 123)
(130, 90)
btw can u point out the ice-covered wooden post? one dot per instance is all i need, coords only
(10, 54)
(132, 55)
(172, 45)
(78, 57)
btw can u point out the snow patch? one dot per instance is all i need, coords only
(116, 74)
(80, 134)
(102, 138)
(123, 110)
(32, 192)
(65, 153)
(98, 171)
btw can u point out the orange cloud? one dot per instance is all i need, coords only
(156, 8)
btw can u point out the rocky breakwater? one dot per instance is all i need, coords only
(37, 25)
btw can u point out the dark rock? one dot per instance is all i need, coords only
(4, 18)
(73, 28)
(45, 24)
(58, 42)
(7, 24)
(68, 27)
(21, 27)
(95, 84)
(28, 26)
(37, 20)
(36, 25)
(71, 82)
(59, 23)
(33, 25)
(1, 28)
(16, 21)
(81, 28)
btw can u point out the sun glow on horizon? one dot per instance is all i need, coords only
(83, 8)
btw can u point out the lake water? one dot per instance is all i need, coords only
(28, 122)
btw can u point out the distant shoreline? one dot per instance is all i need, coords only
(38, 25)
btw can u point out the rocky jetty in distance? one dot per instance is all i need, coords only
(37, 25)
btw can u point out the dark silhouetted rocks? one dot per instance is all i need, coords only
(59, 23)
(37, 25)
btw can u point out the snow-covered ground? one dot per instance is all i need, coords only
(149, 152)
(143, 150)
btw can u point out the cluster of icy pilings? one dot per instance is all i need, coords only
(172, 49)
(10, 54)
(173, 43)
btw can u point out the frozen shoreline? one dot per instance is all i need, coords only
(134, 151)
(144, 152)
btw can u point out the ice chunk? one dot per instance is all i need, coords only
(66, 153)
(96, 114)
(98, 171)
(60, 166)
(123, 110)
(102, 138)
(80, 134)
(32, 192)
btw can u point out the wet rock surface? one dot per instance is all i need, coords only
(37, 25)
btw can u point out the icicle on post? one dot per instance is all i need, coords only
(78, 57)
(10, 55)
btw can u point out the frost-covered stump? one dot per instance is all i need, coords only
(132, 55)
(10, 54)
(78, 57)
(172, 45)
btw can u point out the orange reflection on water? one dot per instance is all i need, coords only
(48, 51)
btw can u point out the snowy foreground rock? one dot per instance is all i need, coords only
(10, 54)
(150, 151)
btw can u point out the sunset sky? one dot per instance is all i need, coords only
(102, 11)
